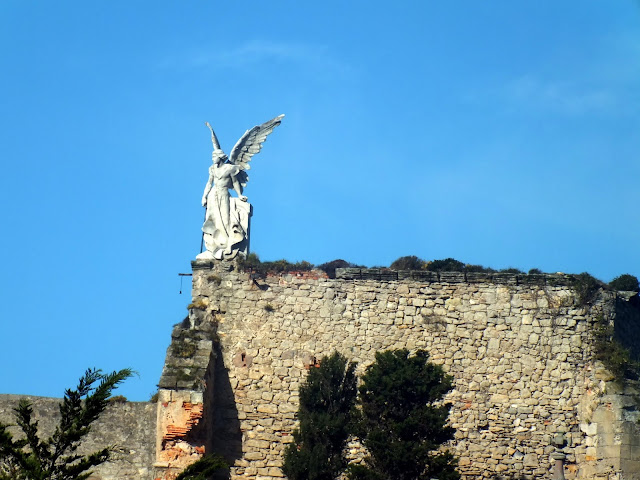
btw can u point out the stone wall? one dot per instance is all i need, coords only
(519, 348)
(186, 410)
(130, 426)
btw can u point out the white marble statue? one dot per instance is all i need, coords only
(226, 225)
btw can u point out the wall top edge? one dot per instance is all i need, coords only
(16, 397)
(387, 275)
(554, 279)
(384, 274)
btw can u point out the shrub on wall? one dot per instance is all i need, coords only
(511, 270)
(252, 262)
(446, 265)
(615, 357)
(586, 287)
(326, 404)
(403, 422)
(410, 262)
(330, 267)
(478, 269)
(626, 282)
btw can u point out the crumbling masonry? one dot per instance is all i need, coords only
(520, 349)
(518, 346)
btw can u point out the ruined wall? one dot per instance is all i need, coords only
(130, 426)
(517, 346)
(185, 409)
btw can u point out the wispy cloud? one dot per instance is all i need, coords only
(605, 82)
(565, 97)
(256, 52)
(251, 54)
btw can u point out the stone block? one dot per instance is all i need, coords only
(268, 408)
(531, 460)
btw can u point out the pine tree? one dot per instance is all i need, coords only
(326, 404)
(56, 458)
(403, 421)
(204, 468)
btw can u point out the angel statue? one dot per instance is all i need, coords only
(226, 223)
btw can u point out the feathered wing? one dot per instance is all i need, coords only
(251, 143)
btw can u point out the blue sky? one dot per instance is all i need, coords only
(498, 133)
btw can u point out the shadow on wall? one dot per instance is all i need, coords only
(227, 437)
(627, 323)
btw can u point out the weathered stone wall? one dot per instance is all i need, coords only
(519, 348)
(130, 426)
(185, 397)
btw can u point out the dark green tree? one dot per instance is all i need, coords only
(625, 282)
(326, 406)
(55, 458)
(204, 469)
(403, 422)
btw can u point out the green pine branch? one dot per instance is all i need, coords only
(55, 457)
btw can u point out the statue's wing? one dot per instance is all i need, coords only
(251, 143)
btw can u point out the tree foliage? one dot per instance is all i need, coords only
(625, 282)
(55, 458)
(326, 403)
(403, 421)
(204, 468)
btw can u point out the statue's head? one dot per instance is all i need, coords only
(218, 157)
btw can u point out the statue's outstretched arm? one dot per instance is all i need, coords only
(238, 188)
